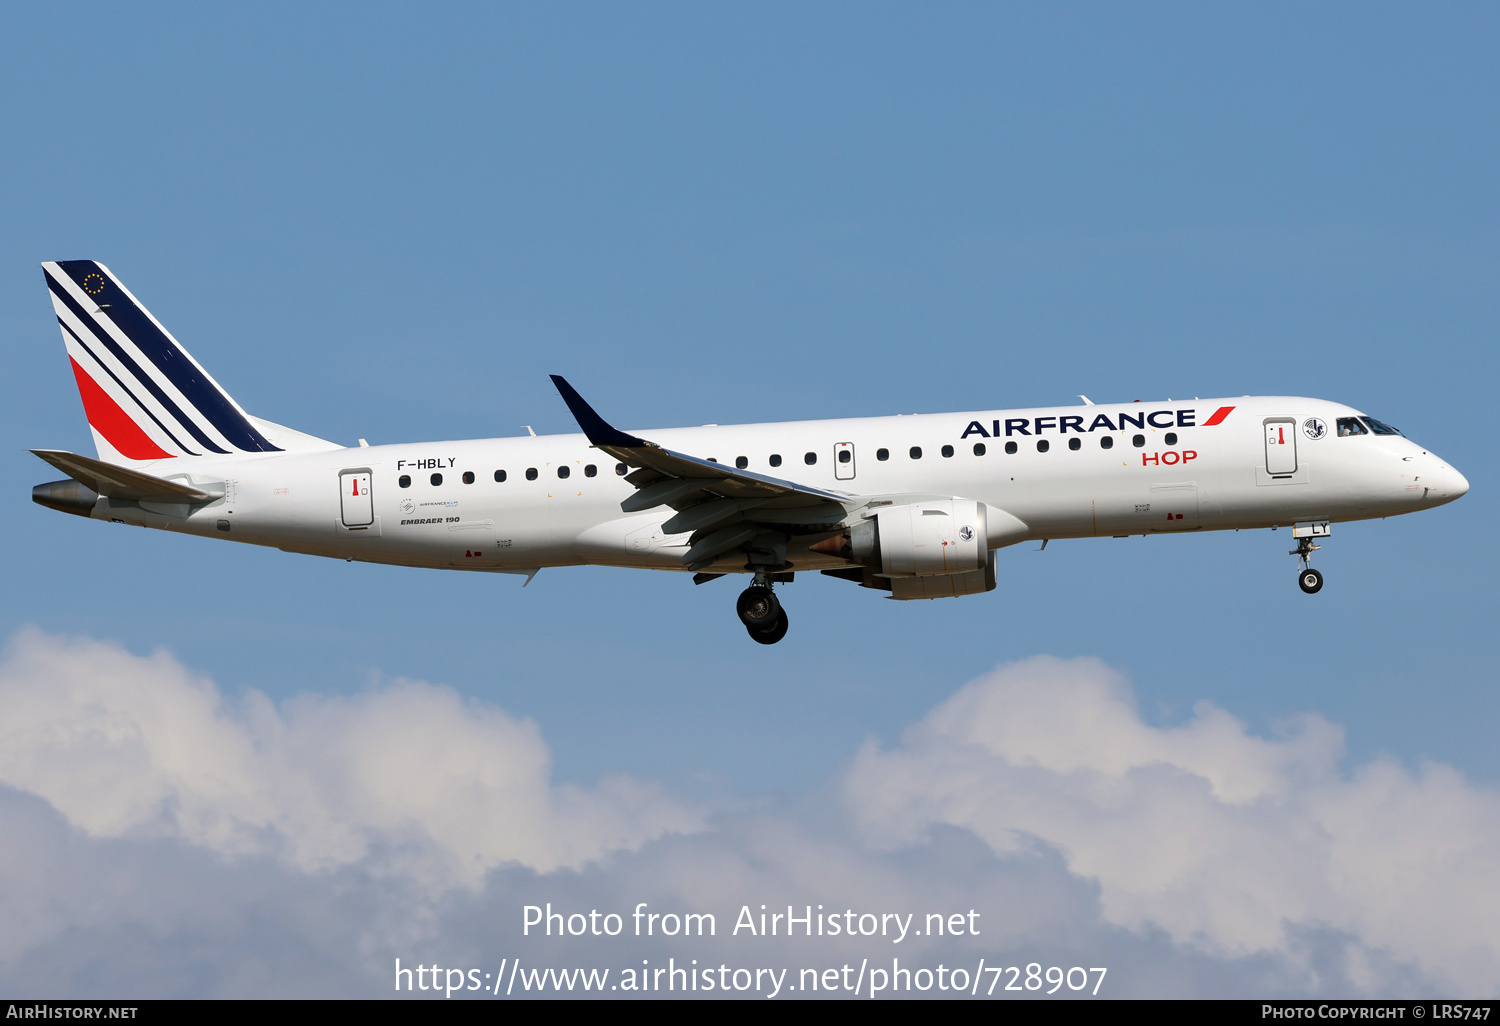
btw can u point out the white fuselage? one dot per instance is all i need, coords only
(1224, 476)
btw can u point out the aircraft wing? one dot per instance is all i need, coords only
(722, 507)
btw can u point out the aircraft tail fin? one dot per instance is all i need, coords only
(145, 396)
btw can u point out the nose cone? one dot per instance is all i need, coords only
(1446, 483)
(1458, 485)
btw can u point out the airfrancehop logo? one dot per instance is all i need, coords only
(1032, 426)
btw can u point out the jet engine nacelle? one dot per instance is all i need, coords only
(926, 550)
(923, 539)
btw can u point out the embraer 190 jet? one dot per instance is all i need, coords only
(914, 506)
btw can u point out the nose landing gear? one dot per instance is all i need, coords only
(761, 613)
(1308, 579)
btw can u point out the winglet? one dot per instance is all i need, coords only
(599, 432)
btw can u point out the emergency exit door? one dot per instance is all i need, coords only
(355, 504)
(1281, 446)
(843, 461)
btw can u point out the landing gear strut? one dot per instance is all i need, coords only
(761, 612)
(1308, 579)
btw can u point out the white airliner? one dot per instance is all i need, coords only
(916, 506)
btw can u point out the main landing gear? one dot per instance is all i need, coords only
(761, 612)
(1308, 579)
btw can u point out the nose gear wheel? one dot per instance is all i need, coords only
(1308, 579)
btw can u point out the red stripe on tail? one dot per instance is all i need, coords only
(1219, 415)
(106, 417)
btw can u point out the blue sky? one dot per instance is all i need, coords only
(393, 222)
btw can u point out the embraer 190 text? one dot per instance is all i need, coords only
(915, 506)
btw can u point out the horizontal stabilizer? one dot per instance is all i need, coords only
(122, 483)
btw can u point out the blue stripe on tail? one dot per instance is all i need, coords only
(166, 355)
(130, 362)
(124, 387)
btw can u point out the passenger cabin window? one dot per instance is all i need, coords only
(499, 476)
(1010, 448)
(809, 458)
(620, 469)
(1075, 444)
(845, 456)
(590, 470)
(436, 480)
(915, 452)
(404, 480)
(1350, 426)
(1139, 441)
(979, 449)
(1106, 442)
(1379, 428)
(882, 454)
(1042, 445)
(468, 477)
(1170, 438)
(531, 473)
(564, 471)
(947, 452)
(775, 459)
(742, 462)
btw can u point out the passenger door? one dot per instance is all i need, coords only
(1281, 446)
(356, 506)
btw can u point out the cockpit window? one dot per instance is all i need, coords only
(1379, 428)
(1351, 426)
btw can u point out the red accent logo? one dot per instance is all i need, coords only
(106, 417)
(1219, 415)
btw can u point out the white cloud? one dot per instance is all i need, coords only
(158, 839)
(409, 778)
(1225, 840)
